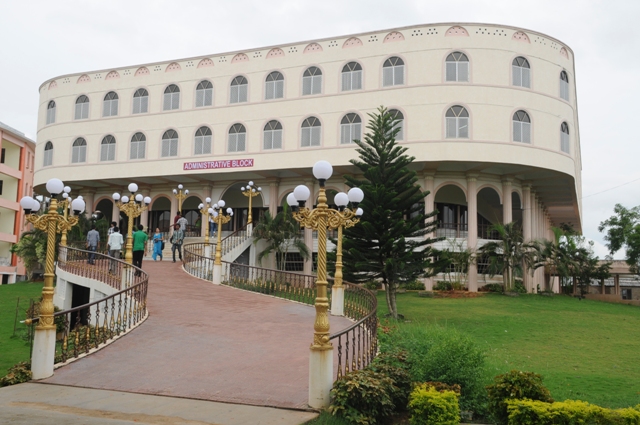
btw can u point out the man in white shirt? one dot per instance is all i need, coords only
(183, 223)
(115, 245)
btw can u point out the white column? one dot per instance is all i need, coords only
(274, 192)
(144, 217)
(206, 193)
(472, 234)
(429, 207)
(507, 207)
(308, 233)
(88, 196)
(526, 225)
(115, 214)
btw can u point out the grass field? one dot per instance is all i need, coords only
(14, 349)
(585, 350)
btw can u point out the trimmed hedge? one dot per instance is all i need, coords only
(514, 385)
(429, 406)
(569, 412)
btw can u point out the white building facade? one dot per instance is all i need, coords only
(488, 111)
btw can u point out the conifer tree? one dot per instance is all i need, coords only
(389, 244)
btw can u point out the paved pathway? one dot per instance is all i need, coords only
(207, 342)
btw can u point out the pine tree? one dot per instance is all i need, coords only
(389, 243)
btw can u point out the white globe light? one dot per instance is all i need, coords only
(253, 191)
(65, 195)
(147, 200)
(35, 206)
(242, 189)
(301, 193)
(215, 206)
(259, 189)
(250, 183)
(211, 211)
(356, 195)
(341, 199)
(180, 186)
(133, 188)
(116, 196)
(208, 200)
(201, 206)
(80, 197)
(175, 192)
(39, 198)
(221, 203)
(229, 211)
(125, 199)
(215, 214)
(55, 186)
(186, 192)
(139, 197)
(67, 189)
(291, 200)
(26, 202)
(359, 212)
(78, 205)
(322, 170)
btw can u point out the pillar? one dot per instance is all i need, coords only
(174, 211)
(115, 214)
(602, 291)
(88, 196)
(274, 189)
(526, 226)
(616, 283)
(507, 206)
(472, 233)
(429, 207)
(308, 233)
(206, 193)
(144, 216)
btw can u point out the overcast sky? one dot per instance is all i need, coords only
(44, 39)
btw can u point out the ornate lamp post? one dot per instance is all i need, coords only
(65, 203)
(320, 219)
(250, 191)
(221, 218)
(204, 210)
(44, 343)
(180, 196)
(132, 207)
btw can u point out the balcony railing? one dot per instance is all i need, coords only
(461, 231)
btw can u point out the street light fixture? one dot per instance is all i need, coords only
(180, 196)
(221, 217)
(250, 191)
(51, 222)
(132, 207)
(204, 210)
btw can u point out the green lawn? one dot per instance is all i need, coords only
(14, 349)
(585, 350)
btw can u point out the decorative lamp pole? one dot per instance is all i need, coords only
(320, 219)
(180, 196)
(132, 207)
(44, 343)
(250, 191)
(204, 210)
(221, 218)
(65, 203)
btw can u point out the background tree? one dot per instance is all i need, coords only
(280, 233)
(32, 249)
(389, 243)
(454, 262)
(623, 231)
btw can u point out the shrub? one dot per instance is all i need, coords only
(394, 365)
(18, 374)
(519, 287)
(441, 386)
(373, 285)
(531, 412)
(413, 286)
(362, 397)
(429, 406)
(492, 287)
(445, 285)
(514, 385)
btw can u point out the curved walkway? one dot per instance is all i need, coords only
(207, 342)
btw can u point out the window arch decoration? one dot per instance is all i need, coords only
(456, 31)
(47, 158)
(84, 78)
(108, 148)
(202, 141)
(171, 98)
(398, 118)
(169, 144)
(79, 151)
(141, 101)
(457, 67)
(393, 36)
(110, 104)
(312, 47)
(138, 145)
(565, 141)
(237, 138)
(204, 94)
(352, 42)
(82, 108)
(204, 63)
(312, 81)
(53, 85)
(311, 132)
(272, 137)
(173, 66)
(112, 75)
(51, 112)
(239, 90)
(521, 71)
(521, 127)
(275, 53)
(564, 85)
(274, 86)
(352, 76)
(457, 122)
(350, 128)
(393, 72)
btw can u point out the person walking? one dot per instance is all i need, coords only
(158, 244)
(183, 223)
(176, 241)
(112, 226)
(213, 227)
(93, 240)
(114, 244)
(139, 240)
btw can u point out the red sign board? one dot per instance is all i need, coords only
(213, 165)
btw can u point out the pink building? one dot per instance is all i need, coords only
(16, 180)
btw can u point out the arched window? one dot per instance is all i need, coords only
(393, 72)
(204, 94)
(351, 76)
(169, 144)
(82, 108)
(202, 142)
(398, 118)
(311, 132)
(272, 135)
(521, 127)
(312, 81)
(237, 138)
(79, 151)
(521, 72)
(457, 122)
(141, 101)
(138, 144)
(564, 86)
(51, 112)
(110, 105)
(48, 154)
(239, 89)
(274, 86)
(108, 148)
(457, 65)
(171, 98)
(564, 138)
(350, 128)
